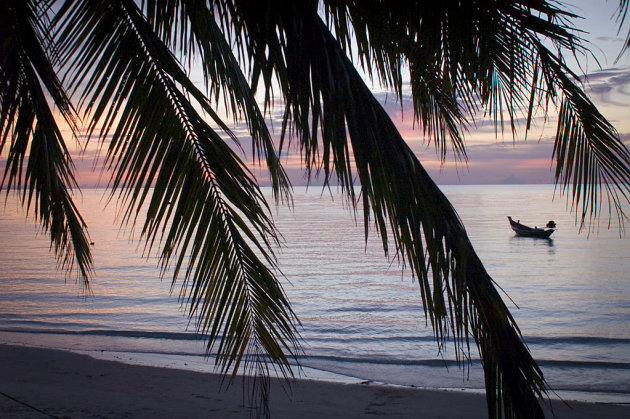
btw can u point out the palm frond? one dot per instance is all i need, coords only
(464, 57)
(192, 28)
(204, 208)
(622, 13)
(29, 131)
(388, 38)
(402, 201)
(590, 156)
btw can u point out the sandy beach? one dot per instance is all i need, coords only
(44, 383)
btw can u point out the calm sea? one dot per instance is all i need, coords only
(361, 314)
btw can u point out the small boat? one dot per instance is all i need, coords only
(525, 231)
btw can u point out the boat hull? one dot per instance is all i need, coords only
(525, 231)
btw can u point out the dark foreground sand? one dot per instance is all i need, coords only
(43, 383)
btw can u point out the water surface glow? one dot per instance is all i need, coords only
(361, 313)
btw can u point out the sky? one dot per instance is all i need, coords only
(496, 160)
(492, 159)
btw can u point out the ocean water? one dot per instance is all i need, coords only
(361, 313)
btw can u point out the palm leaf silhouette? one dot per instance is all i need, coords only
(166, 143)
(28, 127)
(459, 296)
(204, 208)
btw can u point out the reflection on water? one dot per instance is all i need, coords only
(531, 240)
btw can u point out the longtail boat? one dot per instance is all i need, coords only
(525, 231)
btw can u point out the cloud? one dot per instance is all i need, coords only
(610, 90)
(610, 39)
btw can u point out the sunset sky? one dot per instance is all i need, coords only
(495, 160)
(492, 159)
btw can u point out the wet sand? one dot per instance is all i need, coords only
(45, 383)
